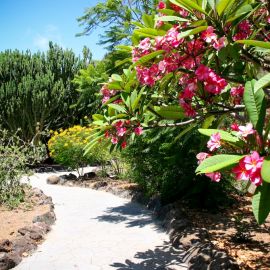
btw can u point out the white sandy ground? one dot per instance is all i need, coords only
(96, 230)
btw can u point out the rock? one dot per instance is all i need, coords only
(70, 176)
(6, 245)
(53, 179)
(48, 218)
(34, 232)
(154, 204)
(23, 244)
(221, 261)
(9, 260)
(89, 175)
(99, 184)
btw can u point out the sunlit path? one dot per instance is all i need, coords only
(97, 230)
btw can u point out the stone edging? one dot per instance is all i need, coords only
(200, 252)
(27, 238)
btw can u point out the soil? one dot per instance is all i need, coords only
(233, 230)
(21, 216)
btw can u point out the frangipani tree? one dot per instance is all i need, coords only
(202, 65)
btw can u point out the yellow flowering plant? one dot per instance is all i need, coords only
(67, 148)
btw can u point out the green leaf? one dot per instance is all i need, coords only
(256, 105)
(148, 20)
(255, 43)
(222, 5)
(192, 31)
(172, 112)
(149, 32)
(124, 48)
(171, 19)
(242, 10)
(260, 202)
(117, 107)
(148, 57)
(190, 4)
(208, 121)
(218, 162)
(165, 11)
(225, 136)
(97, 117)
(262, 82)
(266, 170)
(117, 77)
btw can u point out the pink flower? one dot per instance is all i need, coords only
(240, 171)
(215, 176)
(121, 131)
(219, 44)
(253, 163)
(214, 142)
(189, 111)
(161, 5)
(145, 45)
(202, 156)
(238, 91)
(114, 140)
(244, 131)
(208, 35)
(256, 178)
(202, 72)
(235, 127)
(138, 130)
(107, 134)
(119, 124)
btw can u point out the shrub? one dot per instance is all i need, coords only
(67, 148)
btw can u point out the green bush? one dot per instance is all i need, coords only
(15, 157)
(162, 164)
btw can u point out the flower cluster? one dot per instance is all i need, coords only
(209, 36)
(243, 30)
(106, 93)
(249, 168)
(122, 129)
(237, 94)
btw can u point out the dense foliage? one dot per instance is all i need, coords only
(205, 65)
(36, 90)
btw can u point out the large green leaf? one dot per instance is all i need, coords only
(148, 57)
(190, 4)
(117, 77)
(256, 105)
(171, 19)
(266, 170)
(262, 82)
(225, 136)
(117, 107)
(192, 31)
(149, 32)
(240, 11)
(222, 5)
(172, 112)
(261, 202)
(255, 43)
(217, 163)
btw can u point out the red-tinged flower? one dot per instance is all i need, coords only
(238, 91)
(202, 156)
(189, 111)
(235, 127)
(119, 124)
(107, 134)
(256, 178)
(219, 43)
(208, 35)
(161, 5)
(121, 131)
(202, 72)
(138, 130)
(214, 142)
(253, 163)
(127, 122)
(124, 145)
(240, 171)
(244, 131)
(215, 176)
(145, 45)
(114, 140)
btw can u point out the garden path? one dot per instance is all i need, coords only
(96, 230)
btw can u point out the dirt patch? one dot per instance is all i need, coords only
(23, 228)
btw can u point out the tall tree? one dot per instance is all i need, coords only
(116, 16)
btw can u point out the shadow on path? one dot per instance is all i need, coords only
(160, 258)
(133, 214)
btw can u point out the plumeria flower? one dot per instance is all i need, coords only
(121, 131)
(214, 142)
(240, 171)
(208, 35)
(138, 130)
(202, 156)
(244, 131)
(253, 163)
(124, 145)
(235, 127)
(219, 43)
(215, 176)
(114, 140)
(161, 5)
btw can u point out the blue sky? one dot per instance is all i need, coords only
(31, 24)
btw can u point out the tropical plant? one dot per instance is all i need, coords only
(200, 64)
